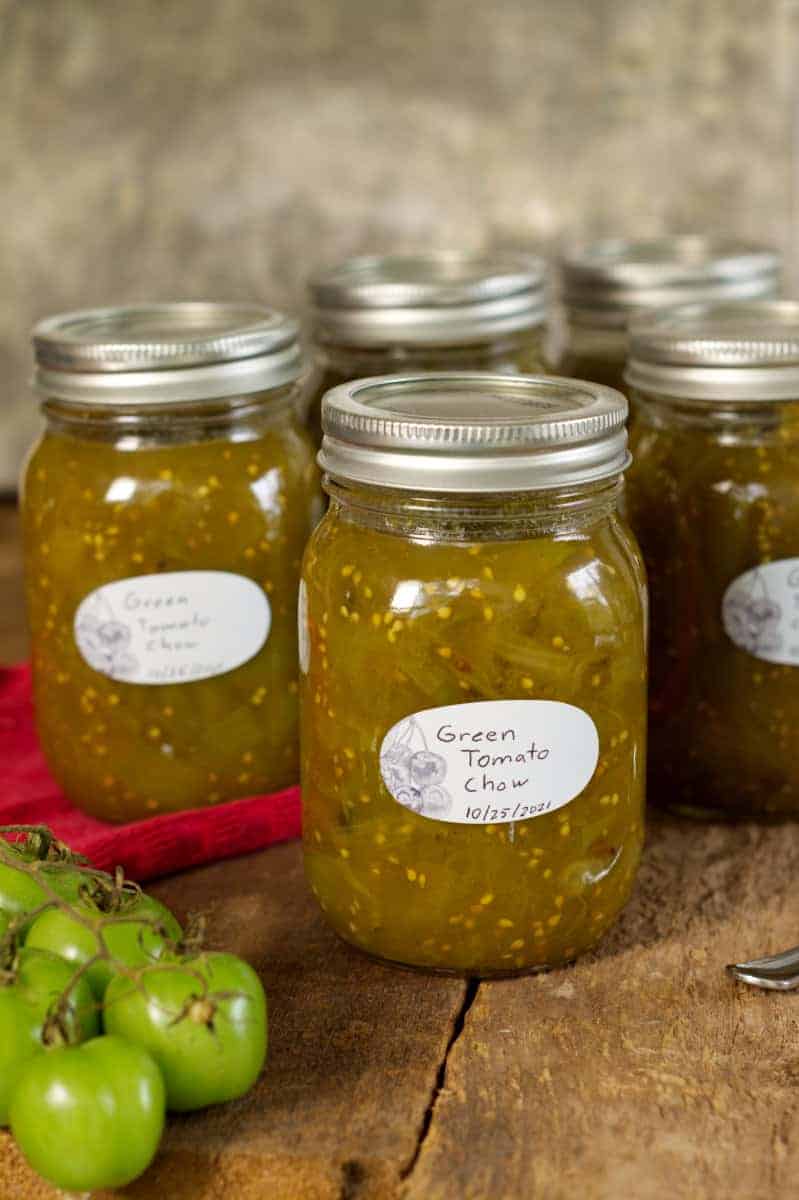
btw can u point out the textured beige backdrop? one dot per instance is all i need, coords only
(222, 148)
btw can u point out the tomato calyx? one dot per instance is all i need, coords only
(37, 843)
(201, 1010)
(110, 895)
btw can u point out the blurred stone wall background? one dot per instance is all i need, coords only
(223, 148)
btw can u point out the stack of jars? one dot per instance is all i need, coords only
(470, 662)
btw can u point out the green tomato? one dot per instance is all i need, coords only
(128, 938)
(21, 893)
(204, 1022)
(25, 1004)
(91, 1116)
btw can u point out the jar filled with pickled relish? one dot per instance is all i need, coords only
(426, 312)
(608, 283)
(472, 645)
(165, 512)
(713, 496)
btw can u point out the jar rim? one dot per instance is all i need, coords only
(165, 353)
(450, 432)
(610, 280)
(744, 353)
(434, 298)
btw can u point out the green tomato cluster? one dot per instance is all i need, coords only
(106, 1024)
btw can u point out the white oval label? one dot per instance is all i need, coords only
(303, 633)
(172, 628)
(491, 761)
(760, 611)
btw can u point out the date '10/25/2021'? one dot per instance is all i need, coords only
(441, 763)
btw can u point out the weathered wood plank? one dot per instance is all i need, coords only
(354, 1051)
(644, 1072)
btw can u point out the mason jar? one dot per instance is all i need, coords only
(714, 500)
(426, 312)
(608, 283)
(165, 512)
(472, 642)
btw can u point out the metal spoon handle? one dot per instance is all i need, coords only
(779, 972)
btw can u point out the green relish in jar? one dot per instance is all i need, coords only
(166, 509)
(714, 499)
(426, 312)
(610, 282)
(472, 645)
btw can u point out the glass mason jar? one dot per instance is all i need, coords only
(432, 312)
(607, 283)
(713, 498)
(472, 646)
(165, 513)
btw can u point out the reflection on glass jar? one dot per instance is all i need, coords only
(712, 496)
(612, 281)
(473, 700)
(431, 312)
(166, 509)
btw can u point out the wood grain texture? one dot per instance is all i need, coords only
(644, 1071)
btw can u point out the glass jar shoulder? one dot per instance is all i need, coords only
(594, 368)
(95, 512)
(523, 352)
(77, 474)
(596, 354)
(561, 595)
(692, 465)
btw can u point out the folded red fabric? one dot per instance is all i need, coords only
(157, 846)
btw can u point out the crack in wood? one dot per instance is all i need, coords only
(469, 997)
(353, 1176)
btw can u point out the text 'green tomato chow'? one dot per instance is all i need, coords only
(473, 695)
(165, 515)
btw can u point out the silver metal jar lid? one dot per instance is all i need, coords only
(152, 354)
(608, 282)
(445, 299)
(734, 353)
(473, 432)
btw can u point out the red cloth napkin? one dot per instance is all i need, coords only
(158, 846)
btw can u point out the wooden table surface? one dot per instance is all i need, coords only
(641, 1073)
